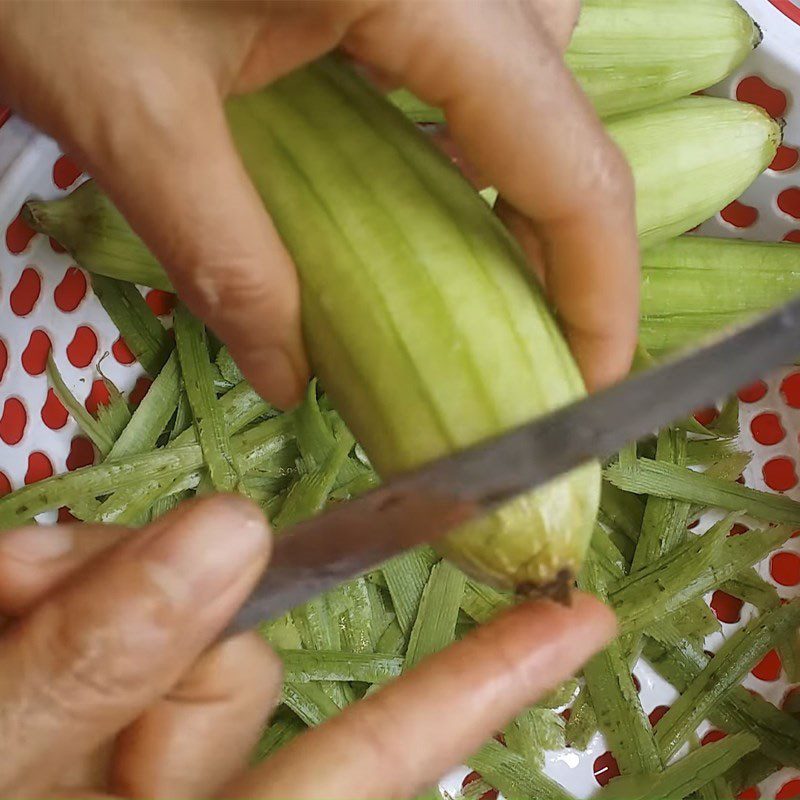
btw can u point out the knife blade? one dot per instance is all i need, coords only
(422, 505)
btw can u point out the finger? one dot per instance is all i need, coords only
(201, 733)
(525, 233)
(523, 122)
(209, 228)
(441, 137)
(95, 653)
(409, 734)
(36, 559)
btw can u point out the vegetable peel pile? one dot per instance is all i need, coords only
(427, 335)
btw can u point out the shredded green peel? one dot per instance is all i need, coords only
(664, 521)
(152, 415)
(406, 576)
(158, 467)
(740, 653)
(679, 483)
(534, 731)
(688, 572)
(435, 626)
(144, 335)
(304, 666)
(513, 775)
(198, 378)
(99, 434)
(309, 702)
(615, 698)
(685, 776)
(778, 733)
(582, 724)
(283, 727)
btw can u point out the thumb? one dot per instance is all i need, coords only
(93, 655)
(172, 169)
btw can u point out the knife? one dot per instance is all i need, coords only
(421, 505)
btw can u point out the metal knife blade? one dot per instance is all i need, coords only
(421, 505)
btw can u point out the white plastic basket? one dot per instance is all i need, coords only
(45, 301)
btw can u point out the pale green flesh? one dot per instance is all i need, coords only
(421, 321)
(694, 286)
(632, 54)
(722, 145)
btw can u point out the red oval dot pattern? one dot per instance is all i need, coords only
(25, 294)
(39, 468)
(790, 390)
(71, 291)
(737, 529)
(792, 236)
(753, 793)
(5, 484)
(160, 302)
(13, 421)
(121, 352)
(757, 91)
(739, 215)
(81, 350)
(140, 390)
(81, 453)
(3, 359)
(470, 778)
(789, 202)
(789, 790)
(769, 668)
(767, 429)
(605, 769)
(54, 415)
(98, 396)
(727, 608)
(753, 393)
(656, 714)
(65, 172)
(779, 474)
(64, 515)
(713, 736)
(18, 235)
(705, 416)
(34, 357)
(785, 568)
(785, 159)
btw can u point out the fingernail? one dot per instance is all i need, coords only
(207, 548)
(283, 380)
(37, 544)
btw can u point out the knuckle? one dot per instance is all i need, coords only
(604, 174)
(220, 291)
(93, 660)
(616, 174)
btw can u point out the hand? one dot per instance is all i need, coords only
(135, 90)
(111, 683)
